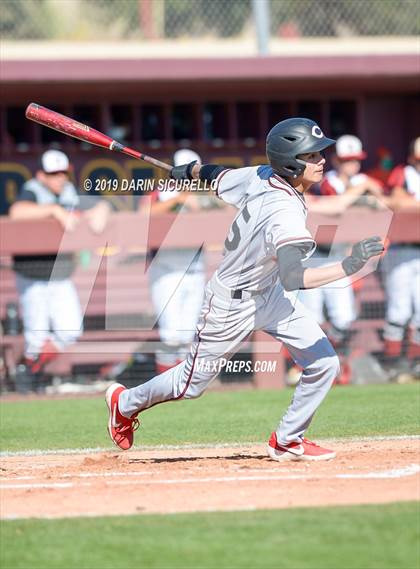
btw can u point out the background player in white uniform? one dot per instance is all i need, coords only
(51, 313)
(338, 297)
(263, 259)
(177, 278)
(401, 267)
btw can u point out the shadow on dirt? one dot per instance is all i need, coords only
(233, 457)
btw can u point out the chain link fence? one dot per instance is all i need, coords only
(96, 20)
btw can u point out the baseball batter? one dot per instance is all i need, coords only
(252, 290)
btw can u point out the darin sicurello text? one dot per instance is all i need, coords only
(190, 185)
(150, 185)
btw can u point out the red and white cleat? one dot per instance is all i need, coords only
(120, 429)
(303, 450)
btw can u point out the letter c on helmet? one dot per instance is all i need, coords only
(316, 131)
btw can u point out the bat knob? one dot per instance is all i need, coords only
(31, 110)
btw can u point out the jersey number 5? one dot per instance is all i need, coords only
(232, 244)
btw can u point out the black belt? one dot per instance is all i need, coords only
(239, 294)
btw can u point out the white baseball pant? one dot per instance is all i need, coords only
(50, 311)
(177, 297)
(401, 266)
(338, 298)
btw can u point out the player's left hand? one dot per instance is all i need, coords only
(361, 253)
(183, 172)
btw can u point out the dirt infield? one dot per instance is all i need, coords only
(205, 479)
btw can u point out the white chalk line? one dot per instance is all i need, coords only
(76, 451)
(81, 475)
(394, 473)
(409, 470)
(121, 474)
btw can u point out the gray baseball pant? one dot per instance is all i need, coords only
(223, 325)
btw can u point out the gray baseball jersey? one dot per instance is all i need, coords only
(271, 215)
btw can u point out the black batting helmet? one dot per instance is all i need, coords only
(289, 138)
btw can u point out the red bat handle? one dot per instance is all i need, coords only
(73, 128)
(139, 155)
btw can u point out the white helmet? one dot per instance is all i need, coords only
(185, 156)
(54, 161)
(349, 147)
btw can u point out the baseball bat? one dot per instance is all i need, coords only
(76, 129)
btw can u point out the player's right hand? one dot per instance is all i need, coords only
(183, 172)
(361, 253)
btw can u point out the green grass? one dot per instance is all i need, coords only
(217, 417)
(362, 537)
